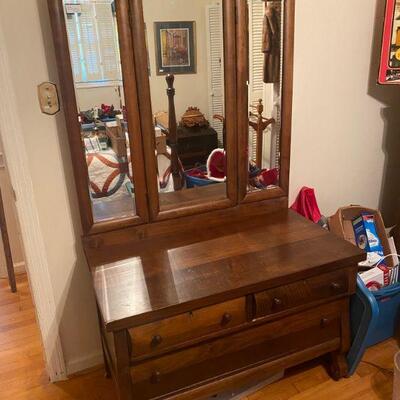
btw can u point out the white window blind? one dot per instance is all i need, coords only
(72, 23)
(215, 44)
(93, 41)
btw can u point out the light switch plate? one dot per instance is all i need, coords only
(48, 98)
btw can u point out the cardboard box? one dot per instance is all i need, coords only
(161, 144)
(118, 140)
(341, 224)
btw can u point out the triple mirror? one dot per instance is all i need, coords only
(186, 90)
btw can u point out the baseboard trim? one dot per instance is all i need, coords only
(83, 364)
(19, 268)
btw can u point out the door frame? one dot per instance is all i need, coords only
(37, 265)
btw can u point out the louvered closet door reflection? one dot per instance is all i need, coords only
(264, 92)
(216, 66)
(256, 84)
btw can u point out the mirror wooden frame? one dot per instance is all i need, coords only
(66, 79)
(150, 219)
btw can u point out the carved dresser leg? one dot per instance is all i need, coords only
(106, 363)
(123, 375)
(337, 365)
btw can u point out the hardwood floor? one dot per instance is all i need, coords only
(22, 374)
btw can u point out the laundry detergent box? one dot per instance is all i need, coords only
(366, 234)
(376, 278)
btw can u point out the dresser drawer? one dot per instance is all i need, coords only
(300, 293)
(256, 345)
(173, 331)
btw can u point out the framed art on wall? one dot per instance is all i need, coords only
(389, 72)
(175, 47)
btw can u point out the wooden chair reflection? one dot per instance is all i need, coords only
(259, 125)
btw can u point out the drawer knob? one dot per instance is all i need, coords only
(336, 287)
(156, 341)
(155, 377)
(277, 302)
(226, 318)
(324, 322)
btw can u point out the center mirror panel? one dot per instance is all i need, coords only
(185, 45)
(264, 93)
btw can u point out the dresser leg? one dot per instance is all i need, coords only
(122, 370)
(337, 365)
(106, 363)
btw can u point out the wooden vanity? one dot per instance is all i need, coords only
(204, 311)
(210, 288)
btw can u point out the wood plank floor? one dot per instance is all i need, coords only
(22, 374)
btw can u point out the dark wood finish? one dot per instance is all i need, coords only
(230, 127)
(168, 332)
(260, 125)
(213, 287)
(195, 145)
(286, 103)
(190, 197)
(307, 291)
(249, 347)
(124, 383)
(137, 94)
(203, 204)
(176, 168)
(221, 119)
(167, 277)
(57, 19)
(6, 247)
(205, 310)
(66, 80)
(213, 266)
(144, 102)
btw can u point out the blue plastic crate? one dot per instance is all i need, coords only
(374, 317)
(193, 181)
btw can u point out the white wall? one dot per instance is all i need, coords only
(89, 97)
(31, 55)
(191, 89)
(342, 137)
(342, 121)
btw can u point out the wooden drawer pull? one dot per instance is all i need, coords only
(336, 287)
(156, 341)
(277, 302)
(226, 318)
(155, 377)
(324, 322)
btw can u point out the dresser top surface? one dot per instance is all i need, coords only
(166, 276)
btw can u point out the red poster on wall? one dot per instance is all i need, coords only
(389, 72)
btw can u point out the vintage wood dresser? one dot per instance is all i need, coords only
(202, 289)
(195, 144)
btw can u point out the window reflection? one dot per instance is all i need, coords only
(94, 49)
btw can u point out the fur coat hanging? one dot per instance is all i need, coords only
(271, 45)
